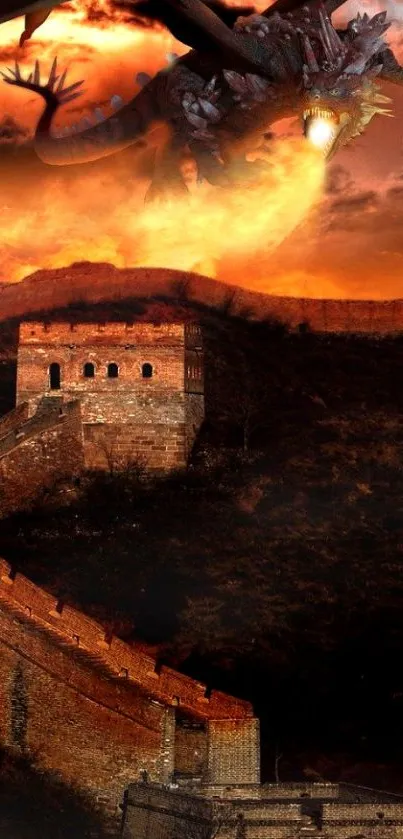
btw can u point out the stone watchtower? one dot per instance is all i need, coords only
(140, 386)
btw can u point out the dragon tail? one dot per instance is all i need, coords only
(133, 124)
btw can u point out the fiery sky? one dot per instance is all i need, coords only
(301, 232)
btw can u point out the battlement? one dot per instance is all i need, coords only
(81, 632)
(89, 334)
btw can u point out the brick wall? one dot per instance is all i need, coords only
(233, 752)
(158, 446)
(32, 459)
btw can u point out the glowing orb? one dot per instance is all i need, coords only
(320, 132)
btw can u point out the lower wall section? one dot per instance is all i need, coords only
(156, 446)
(152, 811)
(98, 734)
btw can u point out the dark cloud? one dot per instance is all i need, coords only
(359, 202)
(11, 132)
(338, 180)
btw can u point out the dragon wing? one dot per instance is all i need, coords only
(35, 14)
(180, 28)
(10, 9)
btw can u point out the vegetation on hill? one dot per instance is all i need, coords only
(275, 558)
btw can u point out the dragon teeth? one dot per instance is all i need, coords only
(318, 112)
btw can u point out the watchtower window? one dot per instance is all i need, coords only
(147, 371)
(54, 376)
(89, 370)
(113, 371)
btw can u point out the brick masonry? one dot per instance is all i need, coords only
(233, 752)
(92, 708)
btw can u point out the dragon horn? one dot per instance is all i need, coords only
(324, 31)
(379, 18)
(311, 61)
(337, 43)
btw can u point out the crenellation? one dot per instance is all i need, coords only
(69, 335)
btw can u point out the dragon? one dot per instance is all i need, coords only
(220, 99)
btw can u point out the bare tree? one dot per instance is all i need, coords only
(277, 759)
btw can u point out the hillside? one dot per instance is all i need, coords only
(276, 558)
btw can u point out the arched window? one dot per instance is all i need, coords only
(89, 370)
(54, 376)
(147, 371)
(113, 371)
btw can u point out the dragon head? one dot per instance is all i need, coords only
(339, 94)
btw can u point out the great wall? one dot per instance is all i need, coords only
(99, 282)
